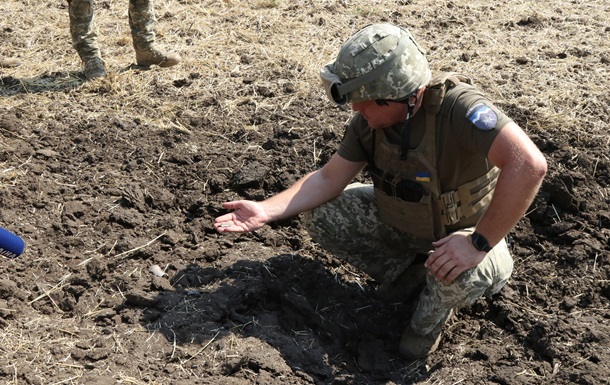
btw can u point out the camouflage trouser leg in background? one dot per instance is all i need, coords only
(349, 226)
(142, 21)
(82, 29)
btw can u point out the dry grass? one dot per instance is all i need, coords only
(566, 45)
(547, 61)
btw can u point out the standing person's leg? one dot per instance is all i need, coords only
(84, 37)
(437, 300)
(349, 227)
(142, 21)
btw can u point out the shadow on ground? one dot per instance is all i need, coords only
(327, 330)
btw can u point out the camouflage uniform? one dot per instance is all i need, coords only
(141, 20)
(383, 62)
(350, 227)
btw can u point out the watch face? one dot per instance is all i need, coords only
(480, 243)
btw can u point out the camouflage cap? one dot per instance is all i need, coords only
(381, 61)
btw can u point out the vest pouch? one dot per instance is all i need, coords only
(414, 218)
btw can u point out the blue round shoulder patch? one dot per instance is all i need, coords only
(482, 117)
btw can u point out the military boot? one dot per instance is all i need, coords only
(94, 68)
(84, 38)
(151, 56)
(8, 62)
(142, 21)
(414, 346)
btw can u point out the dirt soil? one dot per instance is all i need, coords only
(106, 179)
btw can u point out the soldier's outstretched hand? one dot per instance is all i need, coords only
(246, 216)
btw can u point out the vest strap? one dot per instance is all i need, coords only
(468, 199)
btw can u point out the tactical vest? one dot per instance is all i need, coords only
(407, 184)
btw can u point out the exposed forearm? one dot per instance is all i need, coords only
(309, 192)
(517, 186)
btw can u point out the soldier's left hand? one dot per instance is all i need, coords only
(453, 255)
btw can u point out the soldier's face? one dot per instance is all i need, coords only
(381, 116)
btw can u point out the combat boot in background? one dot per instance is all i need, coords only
(84, 38)
(142, 21)
(94, 68)
(9, 62)
(152, 56)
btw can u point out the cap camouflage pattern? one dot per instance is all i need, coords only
(390, 50)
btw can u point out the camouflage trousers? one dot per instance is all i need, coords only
(349, 226)
(142, 22)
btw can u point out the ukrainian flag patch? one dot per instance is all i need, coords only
(422, 177)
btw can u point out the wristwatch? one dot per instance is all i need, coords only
(480, 243)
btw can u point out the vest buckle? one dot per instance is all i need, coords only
(451, 210)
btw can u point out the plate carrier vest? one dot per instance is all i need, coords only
(407, 185)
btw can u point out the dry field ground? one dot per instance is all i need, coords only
(105, 179)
